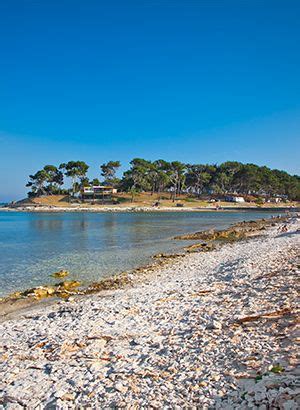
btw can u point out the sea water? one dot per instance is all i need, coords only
(92, 246)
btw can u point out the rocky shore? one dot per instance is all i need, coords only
(64, 288)
(213, 329)
(117, 209)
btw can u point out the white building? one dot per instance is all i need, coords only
(237, 199)
(99, 192)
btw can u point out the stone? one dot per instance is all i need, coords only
(120, 387)
(172, 340)
(68, 397)
(60, 274)
(68, 285)
(214, 325)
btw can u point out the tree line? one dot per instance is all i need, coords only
(175, 177)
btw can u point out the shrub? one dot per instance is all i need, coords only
(259, 201)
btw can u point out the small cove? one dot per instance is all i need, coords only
(93, 246)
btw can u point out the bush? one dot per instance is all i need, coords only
(259, 201)
(120, 200)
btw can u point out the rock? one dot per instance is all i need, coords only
(69, 284)
(60, 393)
(214, 325)
(68, 397)
(120, 387)
(289, 405)
(60, 274)
(201, 247)
(42, 291)
(95, 347)
(95, 367)
(173, 340)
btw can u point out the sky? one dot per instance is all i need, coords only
(190, 80)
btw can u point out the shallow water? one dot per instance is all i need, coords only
(93, 245)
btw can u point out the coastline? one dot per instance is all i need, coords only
(186, 333)
(20, 300)
(140, 209)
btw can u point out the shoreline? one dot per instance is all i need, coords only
(146, 209)
(213, 329)
(14, 303)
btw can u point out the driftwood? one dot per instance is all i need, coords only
(267, 315)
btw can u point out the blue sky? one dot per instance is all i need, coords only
(197, 81)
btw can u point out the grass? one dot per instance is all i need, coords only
(147, 199)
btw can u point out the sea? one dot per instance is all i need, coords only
(92, 246)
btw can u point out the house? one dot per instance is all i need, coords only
(97, 193)
(237, 199)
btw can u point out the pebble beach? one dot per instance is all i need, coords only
(208, 330)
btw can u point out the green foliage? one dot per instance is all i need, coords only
(198, 177)
(137, 177)
(259, 201)
(95, 182)
(277, 369)
(108, 171)
(47, 181)
(120, 200)
(177, 177)
(76, 170)
(230, 177)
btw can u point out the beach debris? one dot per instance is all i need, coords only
(266, 315)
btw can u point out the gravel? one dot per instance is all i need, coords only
(211, 330)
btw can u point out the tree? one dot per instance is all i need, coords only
(248, 179)
(136, 178)
(109, 172)
(269, 183)
(37, 183)
(177, 177)
(293, 188)
(95, 182)
(84, 182)
(76, 170)
(46, 181)
(55, 178)
(225, 174)
(197, 178)
(161, 175)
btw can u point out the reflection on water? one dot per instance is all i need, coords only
(91, 246)
(49, 225)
